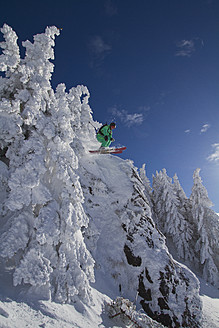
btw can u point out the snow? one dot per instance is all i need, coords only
(210, 300)
(51, 315)
(18, 313)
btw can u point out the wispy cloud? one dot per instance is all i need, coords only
(205, 128)
(133, 119)
(186, 48)
(187, 131)
(215, 155)
(127, 118)
(110, 8)
(98, 46)
(99, 49)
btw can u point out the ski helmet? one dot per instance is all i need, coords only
(113, 125)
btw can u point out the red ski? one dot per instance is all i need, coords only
(110, 150)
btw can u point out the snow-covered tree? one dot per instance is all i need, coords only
(169, 200)
(147, 185)
(145, 180)
(10, 58)
(186, 223)
(179, 191)
(199, 199)
(207, 230)
(41, 234)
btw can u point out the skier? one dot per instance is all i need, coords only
(104, 135)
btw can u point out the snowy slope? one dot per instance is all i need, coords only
(129, 251)
(45, 314)
(34, 314)
(210, 298)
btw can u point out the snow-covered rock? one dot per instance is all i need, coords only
(128, 249)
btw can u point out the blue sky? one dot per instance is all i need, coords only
(150, 65)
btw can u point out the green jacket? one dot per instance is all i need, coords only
(104, 135)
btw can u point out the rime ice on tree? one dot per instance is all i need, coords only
(190, 223)
(207, 231)
(168, 210)
(44, 215)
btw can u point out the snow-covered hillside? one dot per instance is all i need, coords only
(128, 250)
(78, 243)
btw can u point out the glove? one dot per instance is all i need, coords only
(106, 138)
(112, 139)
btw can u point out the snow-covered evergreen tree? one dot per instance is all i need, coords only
(207, 230)
(147, 185)
(186, 226)
(41, 231)
(199, 199)
(10, 58)
(186, 223)
(146, 182)
(179, 191)
(169, 200)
